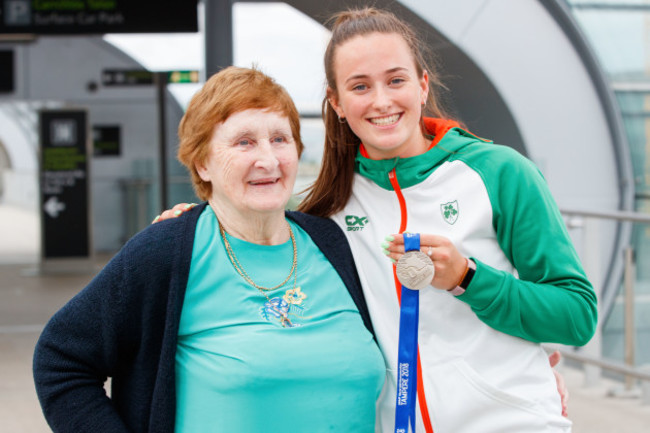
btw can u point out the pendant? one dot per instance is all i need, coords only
(280, 308)
(277, 308)
(294, 296)
(285, 321)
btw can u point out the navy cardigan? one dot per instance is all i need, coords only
(124, 325)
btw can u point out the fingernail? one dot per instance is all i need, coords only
(177, 213)
(385, 251)
(390, 238)
(156, 219)
(393, 260)
(187, 206)
(384, 245)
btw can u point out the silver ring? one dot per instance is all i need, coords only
(430, 251)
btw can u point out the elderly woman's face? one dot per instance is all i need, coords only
(252, 162)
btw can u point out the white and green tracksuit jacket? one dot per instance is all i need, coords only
(483, 368)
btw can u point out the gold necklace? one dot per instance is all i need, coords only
(284, 318)
(240, 269)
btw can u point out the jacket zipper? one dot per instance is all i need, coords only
(424, 410)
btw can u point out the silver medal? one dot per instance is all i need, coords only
(415, 270)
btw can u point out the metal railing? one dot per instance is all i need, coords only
(591, 356)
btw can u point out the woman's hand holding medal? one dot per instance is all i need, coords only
(449, 264)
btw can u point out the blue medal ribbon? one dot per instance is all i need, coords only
(407, 350)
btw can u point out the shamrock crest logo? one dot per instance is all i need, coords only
(450, 211)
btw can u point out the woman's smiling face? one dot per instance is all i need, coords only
(380, 94)
(252, 162)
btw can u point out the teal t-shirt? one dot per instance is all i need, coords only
(239, 370)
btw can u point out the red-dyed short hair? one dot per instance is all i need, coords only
(227, 92)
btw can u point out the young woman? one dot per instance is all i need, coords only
(482, 210)
(480, 206)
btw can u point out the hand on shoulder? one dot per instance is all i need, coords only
(174, 212)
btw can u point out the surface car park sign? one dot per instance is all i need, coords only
(44, 17)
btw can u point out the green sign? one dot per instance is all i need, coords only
(183, 77)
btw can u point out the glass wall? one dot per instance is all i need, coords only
(619, 33)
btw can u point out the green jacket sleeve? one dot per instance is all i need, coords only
(551, 300)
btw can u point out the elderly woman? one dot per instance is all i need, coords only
(240, 318)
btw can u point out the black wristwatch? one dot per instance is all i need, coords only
(469, 274)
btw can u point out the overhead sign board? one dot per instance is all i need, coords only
(126, 77)
(141, 77)
(64, 184)
(44, 17)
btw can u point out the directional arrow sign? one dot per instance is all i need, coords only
(64, 173)
(53, 206)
